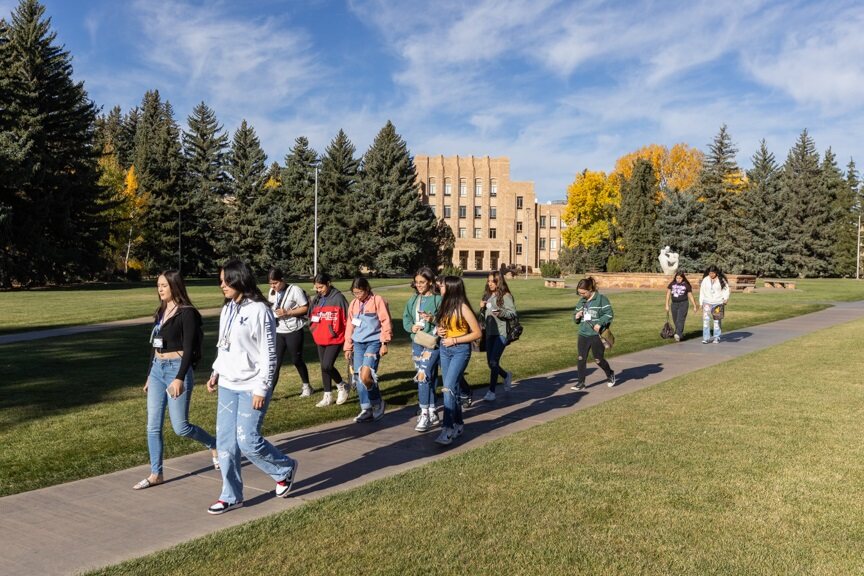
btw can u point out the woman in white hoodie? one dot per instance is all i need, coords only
(713, 292)
(243, 373)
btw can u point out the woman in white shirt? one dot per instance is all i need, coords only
(713, 292)
(289, 306)
(243, 373)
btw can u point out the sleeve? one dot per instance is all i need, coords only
(725, 293)
(606, 313)
(579, 306)
(384, 317)
(509, 310)
(408, 314)
(219, 335)
(298, 296)
(266, 338)
(188, 329)
(702, 292)
(349, 329)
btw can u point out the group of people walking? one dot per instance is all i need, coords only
(256, 332)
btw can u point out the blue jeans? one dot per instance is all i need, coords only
(367, 354)
(495, 345)
(425, 362)
(706, 323)
(454, 360)
(162, 373)
(238, 432)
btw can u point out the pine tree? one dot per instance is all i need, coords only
(637, 218)
(842, 222)
(854, 183)
(680, 223)
(401, 235)
(763, 208)
(247, 165)
(800, 195)
(54, 226)
(338, 250)
(158, 160)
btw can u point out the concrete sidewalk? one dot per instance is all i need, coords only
(100, 521)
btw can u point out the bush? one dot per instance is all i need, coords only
(615, 263)
(550, 270)
(451, 270)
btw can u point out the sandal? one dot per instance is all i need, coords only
(146, 483)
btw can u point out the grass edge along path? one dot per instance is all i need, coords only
(753, 466)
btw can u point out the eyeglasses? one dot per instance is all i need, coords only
(358, 293)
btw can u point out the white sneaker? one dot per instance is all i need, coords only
(508, 382)
(457, 430)
(378, 410)
(423, 423)
(342, 395)
(433, 418)
(445, 438)
(307, 391)
(489, 397)
(327, 400)
(677, 338)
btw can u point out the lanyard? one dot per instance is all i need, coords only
(232, 313)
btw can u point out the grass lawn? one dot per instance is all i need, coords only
(73, 407)
(755, 466)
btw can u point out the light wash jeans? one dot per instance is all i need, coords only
(454, 360)
(707, 319)
(495, 345)
(238, 432)
(425, 361)
(162, 373)
(367, 354)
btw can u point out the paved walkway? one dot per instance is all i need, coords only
(100, 521)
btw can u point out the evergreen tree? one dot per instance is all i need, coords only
(720, 183)
(854, 183)
(637, 218)
(801, 200)
(680, 223)
(158, 161)
(247, 167)
(401, 237)
(338, 249)
(204, 149)
(126, 137)
(842, 221)
(766, 229)
(53, 210)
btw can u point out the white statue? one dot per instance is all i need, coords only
(668, 261)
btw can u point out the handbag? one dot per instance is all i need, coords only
(607, 338)
(426, 340)
(668, 331)
(718, 311)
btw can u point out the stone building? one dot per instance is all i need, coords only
(494, 219)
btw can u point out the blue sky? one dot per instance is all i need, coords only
(557, 86)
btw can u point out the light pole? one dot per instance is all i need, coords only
(858, 259)
(315, 234)
(526, 257)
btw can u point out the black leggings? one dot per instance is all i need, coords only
(293, 343)
(595, 345)
(329, 374)
(679, 316)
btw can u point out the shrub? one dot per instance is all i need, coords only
(451, 270)
(550, 270)
(615, 263)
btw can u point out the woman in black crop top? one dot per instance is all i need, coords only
(169, 383)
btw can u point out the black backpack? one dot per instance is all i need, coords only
(514, 329)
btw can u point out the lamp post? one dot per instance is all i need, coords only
(526, 257)
(315, 232)
(858, 259)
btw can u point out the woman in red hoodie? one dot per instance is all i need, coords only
(327, 320)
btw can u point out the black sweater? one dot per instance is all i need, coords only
(178, 335)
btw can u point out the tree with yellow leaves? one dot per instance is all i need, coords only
(676, 168)
(592, 203)
(135, 204)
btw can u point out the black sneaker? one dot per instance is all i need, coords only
(466, 401)
(220, 507)
(284, 485)
(611, 381)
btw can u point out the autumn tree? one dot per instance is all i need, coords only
(592, 206)
(675, 168)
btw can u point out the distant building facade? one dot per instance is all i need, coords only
(495, 220)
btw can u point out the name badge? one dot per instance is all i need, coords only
(157, 342)
(420, 324)
(587, 315)
(355, 321)
(315, 319)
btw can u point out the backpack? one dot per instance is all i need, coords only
(514, 329)
(198, 346)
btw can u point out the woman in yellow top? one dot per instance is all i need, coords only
(458, 327)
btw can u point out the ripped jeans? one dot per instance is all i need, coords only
(367, 354)
(454, 361)
(707, 319)
(426, 364)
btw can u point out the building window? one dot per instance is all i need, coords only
(553, 243)
(463, 211)
(463, 259)
(553, 222)
(478, 233)
(478, 187)
(431, 187)
(542, 244)
(493, 188)
(463, 233)
(463, 187)
(518, 202)
(493, 233)
(448, 211)
(478, 260)
(448, 187)
(519, 249)
(476, 211)
(493, 259)
(542, 221)
(519, 227)
(493, 212)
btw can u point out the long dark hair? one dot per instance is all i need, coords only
(683, 277)
(714, 268)
(178, 292)
(238, 275)
(452, 301)
(500, 291)
(427, 275)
